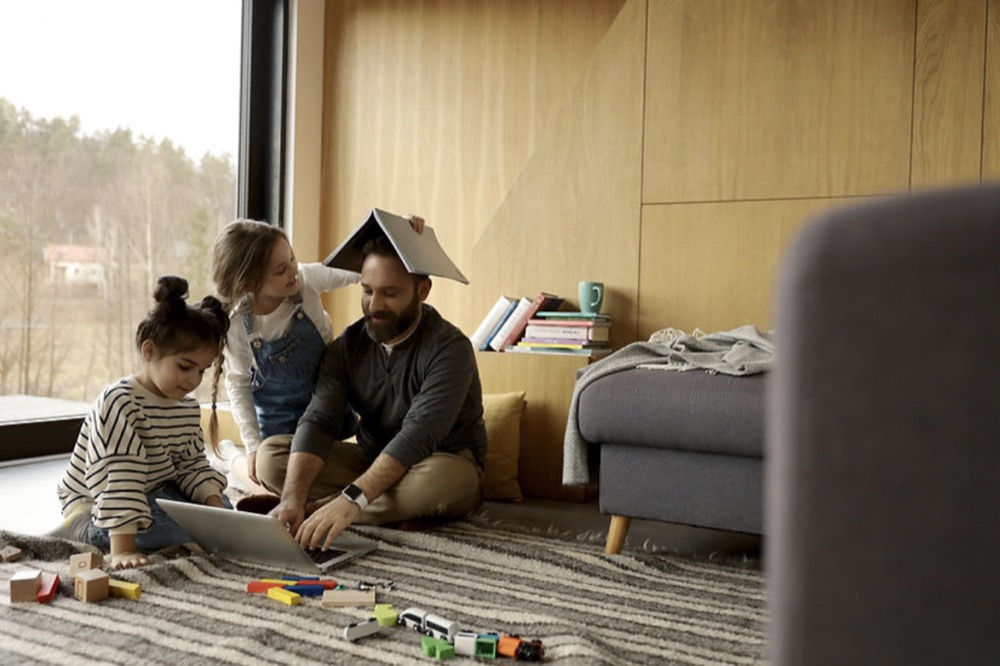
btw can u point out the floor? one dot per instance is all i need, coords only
(28, 505)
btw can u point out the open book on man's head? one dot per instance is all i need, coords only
(420, 253)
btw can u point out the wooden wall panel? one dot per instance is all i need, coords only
(777, 98)
(712, 265)
(435, 106)
(547, 382)
(948, 92)
(573, 214)
(991, 115)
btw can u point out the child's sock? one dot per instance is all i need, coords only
(74, 527)
(223, 461)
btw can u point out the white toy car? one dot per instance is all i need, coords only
(413, 618)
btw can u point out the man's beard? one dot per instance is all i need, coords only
(390, 325)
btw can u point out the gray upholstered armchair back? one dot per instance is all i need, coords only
(883, 436)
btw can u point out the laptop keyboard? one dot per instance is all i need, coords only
(321, 556)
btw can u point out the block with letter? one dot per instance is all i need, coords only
(85, 562)
(91, 586)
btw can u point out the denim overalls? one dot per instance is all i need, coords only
(284, 372)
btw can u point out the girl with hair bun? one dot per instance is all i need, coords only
(142, 439)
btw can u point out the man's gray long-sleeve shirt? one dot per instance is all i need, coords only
(424, 397)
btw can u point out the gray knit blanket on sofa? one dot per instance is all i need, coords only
(740, 351)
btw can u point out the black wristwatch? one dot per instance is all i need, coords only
(356, 495)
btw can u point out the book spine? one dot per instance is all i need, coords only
(569, 322)
(479, 338)
(540, 302)
(563, 342)
(566, 332)
(500, 322)
(500, 340)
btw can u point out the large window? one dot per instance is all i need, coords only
(119, 136)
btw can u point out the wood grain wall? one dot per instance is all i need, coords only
(670, 148)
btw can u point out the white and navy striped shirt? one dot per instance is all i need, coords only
(132, 442)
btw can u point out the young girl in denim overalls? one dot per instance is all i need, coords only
(279, 328)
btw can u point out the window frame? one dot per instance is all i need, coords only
(260, 188)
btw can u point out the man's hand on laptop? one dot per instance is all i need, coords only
(290, 514)
(326, 523)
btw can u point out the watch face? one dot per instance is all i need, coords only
(353, 492)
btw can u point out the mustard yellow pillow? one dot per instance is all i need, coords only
(502, 414)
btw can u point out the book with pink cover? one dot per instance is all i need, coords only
(542, 302)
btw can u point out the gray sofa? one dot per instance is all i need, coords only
(681, 447)
(883, 437)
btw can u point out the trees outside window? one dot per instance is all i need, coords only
(89, 218)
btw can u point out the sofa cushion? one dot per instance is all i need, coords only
(691, 411)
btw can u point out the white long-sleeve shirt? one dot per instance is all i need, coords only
(314, 279)
(132, 442)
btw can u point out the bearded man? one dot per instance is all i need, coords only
(411, 378)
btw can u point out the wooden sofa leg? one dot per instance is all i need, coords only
(616, 534)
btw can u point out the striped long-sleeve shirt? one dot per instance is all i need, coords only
(132, 442)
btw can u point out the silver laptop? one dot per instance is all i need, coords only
(251, 537)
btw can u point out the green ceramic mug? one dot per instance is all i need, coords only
(591, 296)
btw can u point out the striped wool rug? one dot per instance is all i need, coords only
(585, 607)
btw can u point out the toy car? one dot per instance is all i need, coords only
(438, 627)
(413, 618)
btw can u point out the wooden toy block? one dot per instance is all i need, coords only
(344, 598)
(47, 590)
(327, 584)
(356, 630)
(85, 562)
(91, 586)
(11, 554)
(306, 590)
(284, 596)
(262, 586)
(385, 615)
(24, 586)
(437, 648)
(124, 589)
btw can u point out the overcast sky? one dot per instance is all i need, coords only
(163, 68)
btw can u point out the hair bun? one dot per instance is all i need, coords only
(214, 306)
(171, 288)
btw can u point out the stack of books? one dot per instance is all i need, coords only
(580, 333)
(506, 321)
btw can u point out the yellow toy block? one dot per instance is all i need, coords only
(123, 588)
(284, 596)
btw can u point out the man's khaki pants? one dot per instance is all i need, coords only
(442, 485)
